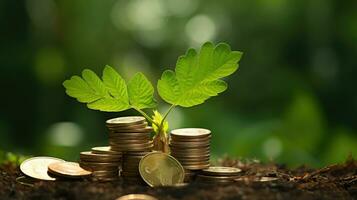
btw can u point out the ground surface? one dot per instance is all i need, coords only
(332, 182)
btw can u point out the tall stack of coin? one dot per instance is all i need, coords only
(129, 134)
(218, 175)
(102, 162)
(191, 146)
(130, 168)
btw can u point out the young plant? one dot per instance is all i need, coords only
(197, 77)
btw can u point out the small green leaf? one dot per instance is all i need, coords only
(109, 95)
(77, 88)
(116, 85)
(94, 82)
(141, 92)
(197, 75)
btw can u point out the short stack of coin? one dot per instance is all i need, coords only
(102, 162)
(129, 134)
(214, 175)
(191, 146)
(130, 168)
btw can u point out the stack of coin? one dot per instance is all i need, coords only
(102, 162)
(130, 167)
(191, 146)
(218, 175)
(129, 134)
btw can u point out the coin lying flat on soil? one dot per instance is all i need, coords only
(161, 169)
(37, 167)
(68, 169)
(221, 171)
(137, 197)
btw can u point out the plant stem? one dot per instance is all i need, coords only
(165, 116)
(146, 116)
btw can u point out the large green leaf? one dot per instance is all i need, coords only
(197, 75)
(109, 95)
(141, 92)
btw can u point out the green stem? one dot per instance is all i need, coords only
(146, 116)
(165, 116)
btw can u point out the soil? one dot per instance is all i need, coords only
(331, 182)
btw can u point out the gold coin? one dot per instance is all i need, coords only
(93, 157)
(161, 169)
(194, 163)
(37, 167)
(135, 136)
(190, 155)
(126, 121)
(105, 173)
(95, 166)
(221, 171)
(137, 197)
(189, 139)
(105, 150)
(147, 129)
(189, 145)
(129, 142)
(196, 167)
(190, 132)
(214, 178)
(68, 169)
(135, 126)
(189, 148)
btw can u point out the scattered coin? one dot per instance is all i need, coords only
(161, 169)
(221, 171)
(68, 169)
(37, 167)
(137, 197)
(218, 174)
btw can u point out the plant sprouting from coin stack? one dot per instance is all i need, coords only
(197, 77)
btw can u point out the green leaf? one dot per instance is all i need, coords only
(77, 88)
(115, 84)
(141, 92)
(109, 95)
(197, 75)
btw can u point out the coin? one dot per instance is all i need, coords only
(221, 171)
(105, 150)
(130, 136)
(147, 129)
(136, 197)
(189, 139)
(161, 169)
(215, 178)
(93, 157)
(126, 121)
(37, 167)
(190, 132)
(68, 169)
(196, 167)
(93, 166)
(105, 173)
(135, 126)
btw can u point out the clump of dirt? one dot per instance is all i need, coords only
(331, 182)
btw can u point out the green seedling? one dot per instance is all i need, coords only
(196, 78)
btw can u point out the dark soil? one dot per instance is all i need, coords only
(332, 182)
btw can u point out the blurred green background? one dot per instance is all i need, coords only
(293, 99)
